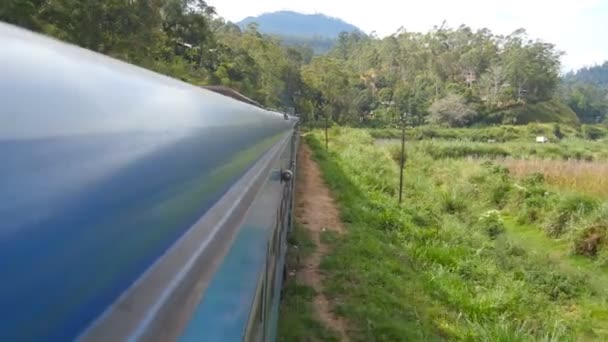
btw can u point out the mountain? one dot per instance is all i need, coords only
(316, 31)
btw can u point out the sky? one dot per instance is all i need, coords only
(579, 28)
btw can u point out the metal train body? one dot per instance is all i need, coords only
(134, 206)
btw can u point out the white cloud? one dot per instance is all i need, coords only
(576, 27)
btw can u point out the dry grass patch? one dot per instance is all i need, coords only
(581, 176)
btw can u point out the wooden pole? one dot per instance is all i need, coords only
(402, 161)
(312, 117)
(326, 136)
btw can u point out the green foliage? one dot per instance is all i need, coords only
(460, 76)
(298, 321)
(586, 92)
(568, 209)
(184, 39)
(452, 111)
(444, 265)
(594, 132)
(460, 150)
(501, 133)
(597, 74)
(491, 72)
(451, 204)
(543, 112)
(330, 78)
(567, 149)
(491, 223)
(590, 235)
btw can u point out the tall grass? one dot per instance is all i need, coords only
(440, 267)
(502, 133)
(569, 175)
(575, 149)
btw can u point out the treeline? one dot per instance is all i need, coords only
(452, 77)
(586, 92)
(447, 76)
(181, 38)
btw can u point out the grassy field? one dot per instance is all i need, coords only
(568, 175)
(576, 149)
(474, 253)
(502, 133)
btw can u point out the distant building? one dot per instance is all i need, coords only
(542, 139)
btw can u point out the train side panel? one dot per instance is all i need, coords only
(117, 187)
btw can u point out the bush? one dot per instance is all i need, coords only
(491, 223)
(534, 180)
(532, 210)
(593, 132)
(452, 110)
(591, 236)
(556, 285)
(567, 210)
(451, 203)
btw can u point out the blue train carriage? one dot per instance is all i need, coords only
(134, 206)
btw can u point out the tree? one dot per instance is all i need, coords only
(532, 67)
(492, 85)
(452, 111)
(405, 72)
(20, 12)
(589, 101)
(330, 77)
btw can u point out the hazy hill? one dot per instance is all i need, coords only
(597, 75)
(316, 31)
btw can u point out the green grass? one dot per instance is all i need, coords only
(568, 149)
(297, 322)
(432, 269)
(300, 245)
(535, 242)
(502, 133)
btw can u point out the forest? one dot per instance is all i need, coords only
(447, 76)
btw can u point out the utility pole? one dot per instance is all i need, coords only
(402, 161)
(313, 116)
(326, 137)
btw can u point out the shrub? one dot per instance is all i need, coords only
(591, 236)
(593, 132)
(451, 203)
(566, 211)
(452, 110)
(556, 285)
(531, 210)
(534, 180)
(491, 223)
